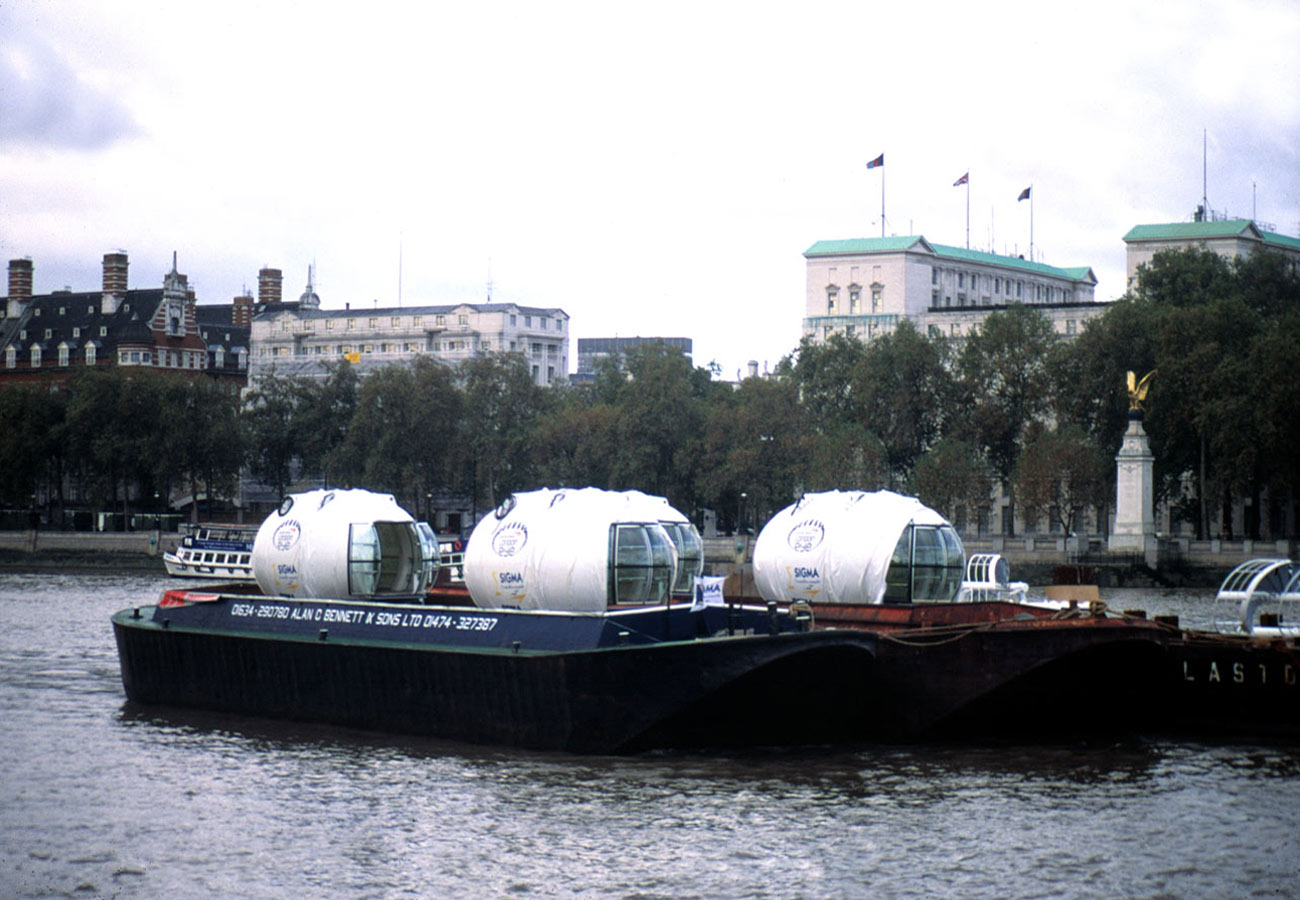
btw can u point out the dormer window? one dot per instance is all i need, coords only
(11, 357)
(90, 354)
(63, 353)
(36, 356)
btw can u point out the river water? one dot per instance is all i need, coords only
(102, 799)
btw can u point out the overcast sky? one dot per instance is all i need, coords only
(652, 169)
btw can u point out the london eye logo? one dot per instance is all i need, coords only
(806, 536)
(509, 539)
(286, 535)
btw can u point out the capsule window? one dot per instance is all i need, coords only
(690, 555)
(642, 564)
(384, 558)
(927, 565)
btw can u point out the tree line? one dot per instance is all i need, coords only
(1012, 404)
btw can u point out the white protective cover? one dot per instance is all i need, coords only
(303, 552)
(834, 547)
(551, 550)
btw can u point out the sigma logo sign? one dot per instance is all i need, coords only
(510, 585)
(286, 536)
(804, 580)
(509, 539)
(806, 536)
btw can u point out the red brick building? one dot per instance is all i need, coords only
(45, 337)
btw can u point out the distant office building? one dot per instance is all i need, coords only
(46, 337)
(864, 287)
(591, 351)
(1227, 237)
(299, 338)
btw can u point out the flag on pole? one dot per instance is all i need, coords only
(1024, 195)
(962, 180)
(878, 161)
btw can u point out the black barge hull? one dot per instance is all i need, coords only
(740, 689)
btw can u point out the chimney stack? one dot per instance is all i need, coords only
(242, 314)
(268, 285)
(20, 286)
(115, 265)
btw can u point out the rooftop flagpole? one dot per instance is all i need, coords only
(879, 163)
(965, 179)
(1028, 194)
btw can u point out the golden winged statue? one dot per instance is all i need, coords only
(1137, 390)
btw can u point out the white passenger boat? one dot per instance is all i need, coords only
(214, 551)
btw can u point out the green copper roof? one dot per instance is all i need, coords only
(860, 246)
(1225, 228)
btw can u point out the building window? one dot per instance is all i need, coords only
(1020, 287)
(63, 354)
(855, 300)
(329, 324)
(1070, 326)
(462, 319)
(397, 321)
(374, 322)
(849, 329)
(877, 292)
(961, 279)
(513, 320)
(36, 356)
(832, 299)
(528, 321)
(219, 358)
(284, 324)
(416, 320)
(441, 320)
(934, 297)
(11, 357)
(352, 323)
(91, 351)
(934, 276)
(49, 333)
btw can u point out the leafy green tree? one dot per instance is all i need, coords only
(575, 440)
(326, 410)
(502, 404)
(755, 444)
(272, 429)
(951, 476)
(199, 445)
(1060, 472)
(31, 445)
(404, 435)
(1002, 370)
(904, 391)
(658, 424)
(824, 373)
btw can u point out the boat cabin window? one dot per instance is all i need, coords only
(641, 563)
(927, 565)
(385, 559)
(690, 555)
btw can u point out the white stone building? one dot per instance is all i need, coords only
(865, 286)
(298, 338)
(1228, 237)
